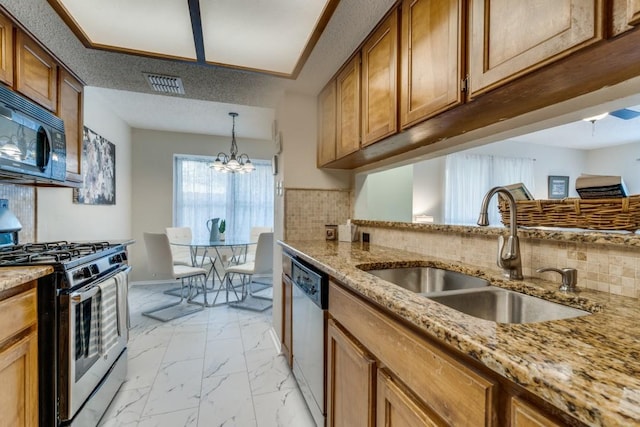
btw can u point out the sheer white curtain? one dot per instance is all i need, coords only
(468, 177)
(200, 193)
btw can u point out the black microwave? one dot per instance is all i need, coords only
(32, 142)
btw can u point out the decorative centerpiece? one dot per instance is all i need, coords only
(221, 228)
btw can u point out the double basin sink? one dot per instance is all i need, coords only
(475, 296)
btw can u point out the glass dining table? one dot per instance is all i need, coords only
(222, 252)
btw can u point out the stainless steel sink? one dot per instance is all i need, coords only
(504, 306)
(428, 279)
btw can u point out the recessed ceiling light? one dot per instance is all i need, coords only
(165, 84)
(596, 118)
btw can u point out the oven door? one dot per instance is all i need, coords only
(93, 335)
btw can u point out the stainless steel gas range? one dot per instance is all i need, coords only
(82, 327)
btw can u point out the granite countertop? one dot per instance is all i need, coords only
(10, 277)
(586, 366)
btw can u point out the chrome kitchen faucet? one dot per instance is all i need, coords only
(508, 254)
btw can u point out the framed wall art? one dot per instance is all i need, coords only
(558, 187)
(98, 171)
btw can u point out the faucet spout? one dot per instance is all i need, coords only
(508, 253)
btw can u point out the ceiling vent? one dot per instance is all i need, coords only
(165, 84)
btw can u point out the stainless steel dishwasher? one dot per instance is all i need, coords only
(310, 300)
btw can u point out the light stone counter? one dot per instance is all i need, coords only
(10, 277)
(587, 366)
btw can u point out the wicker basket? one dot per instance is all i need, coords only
(595, 214)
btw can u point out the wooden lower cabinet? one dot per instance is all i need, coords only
(19, 360)
(350, 382)
(526, 415)
(381, 371)
(396, 407)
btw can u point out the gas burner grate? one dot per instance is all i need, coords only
(49, 252)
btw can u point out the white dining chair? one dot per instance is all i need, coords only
(161, 265)
(182, 254)
(262, 266)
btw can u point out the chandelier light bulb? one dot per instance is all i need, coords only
(233, 162)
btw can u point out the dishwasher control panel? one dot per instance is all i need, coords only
(312, 283)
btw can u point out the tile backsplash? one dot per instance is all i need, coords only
(22, 202)
(307, 211)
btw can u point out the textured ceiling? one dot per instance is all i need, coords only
(351, 22)
(224, 88)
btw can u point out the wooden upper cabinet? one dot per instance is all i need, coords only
(625, 15)
(70, 111)
(36, 72)
(327, 105)
(348, 112)
(379, 82)
(6, 50)
(350, 381)
(510, 38)
(431, 58)
(633, 12)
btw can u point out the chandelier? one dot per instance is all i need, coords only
(233, 162)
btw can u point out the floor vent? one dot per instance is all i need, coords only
(165, 84)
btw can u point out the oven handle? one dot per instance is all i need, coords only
(83, 295)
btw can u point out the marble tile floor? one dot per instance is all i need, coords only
(217, 367)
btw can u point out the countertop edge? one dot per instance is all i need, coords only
(11, 277)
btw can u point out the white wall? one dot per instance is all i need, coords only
(385, 195)
(623, 160)
(296, 118)
(58, 218)
(152, 162)
(428, 188)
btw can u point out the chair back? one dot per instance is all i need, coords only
(159, 257)
(181, 254)
(253, 237)
(263, 263)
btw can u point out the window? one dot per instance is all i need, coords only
(200, 193)
(468, 177)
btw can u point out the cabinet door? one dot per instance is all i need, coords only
(70, 111)
(510, 38)
(36, 72)
(350, 382)
(395, 407)
(6, 50)
(379, 82)
(19, 379)
(348, 113)
(633, 12)
(287, 318)
(525, 415)
(430, 58)
(327, 105)
(625, 14)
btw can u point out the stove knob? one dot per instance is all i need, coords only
(94, 269)
(86, 272)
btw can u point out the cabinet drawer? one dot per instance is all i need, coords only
(17, 313)
(437, 378)
(525, 415)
